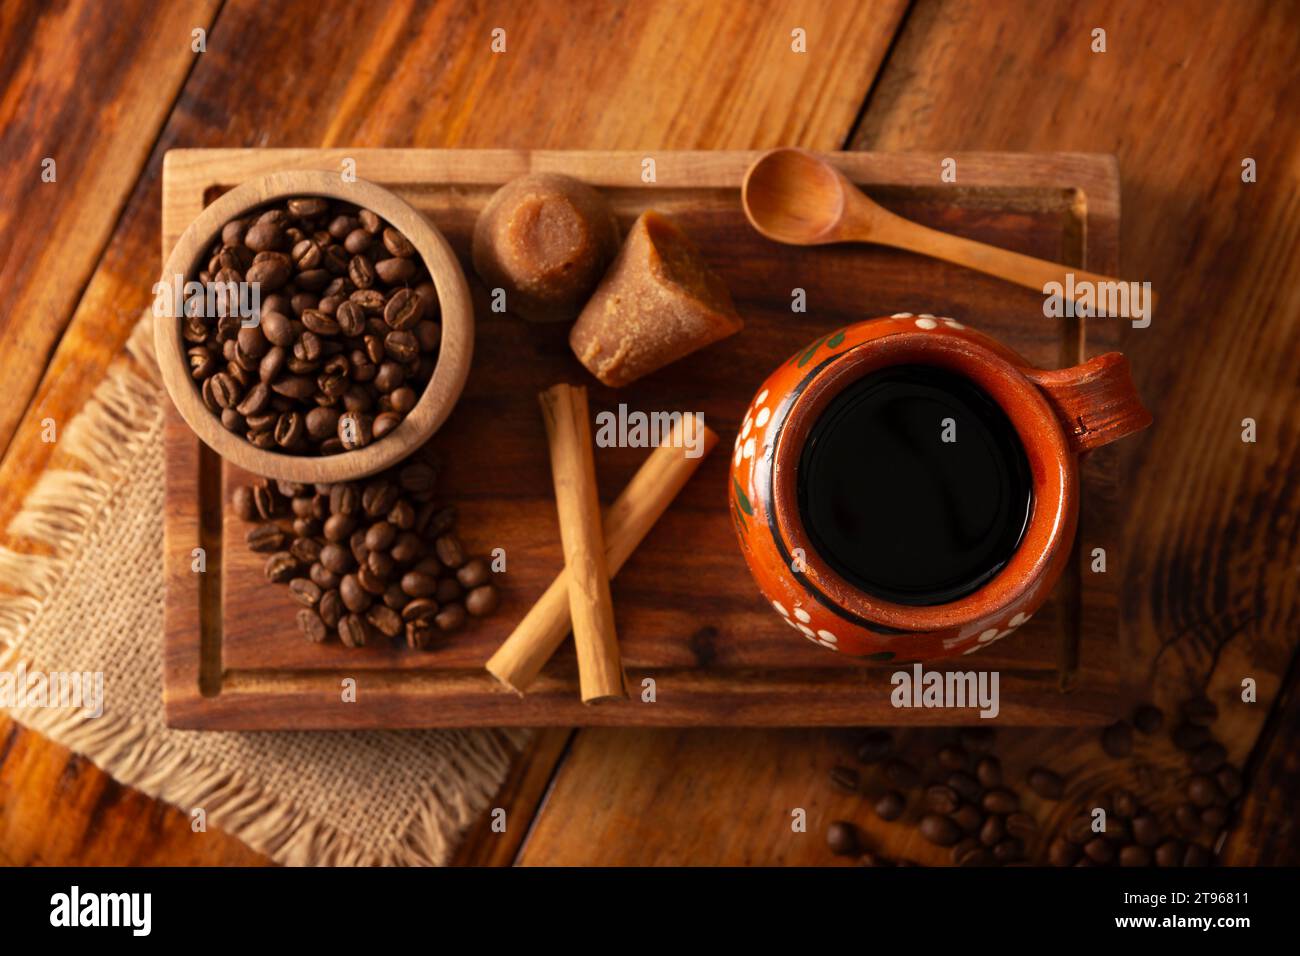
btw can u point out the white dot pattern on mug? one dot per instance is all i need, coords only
(992, 635)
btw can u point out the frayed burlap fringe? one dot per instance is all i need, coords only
(56, 517)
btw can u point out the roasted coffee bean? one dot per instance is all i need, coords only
(384, 423)
(942, 799)
(993, 831)
(310, 623)
(397, 244)
(361, 271)
(1146, 830)
(381, 564)
(1135, 855)
(450, 552)
(1229, 781)
(242, 502)
(1117, 739)
(380, 536)
(330, 608)
(989, 771)
(338, 527)
(418, 608)
(474, 573)
(418, 478)
(846, 779)
(450, 618)
(939, 830)
(306, 550)
(344, 499)
(1079, 829)
(395, 597)
(482, 601)
(968, 817)
(402, 400)
(1022, 826)
(953, 758)
(417, 584)
(1203, 792)
(1208, 757)
(1169, 853)
(1148, 718)
(353, 630)
(281, 566)
(355, 598)
(420, 634)
(1214, 818)
(1099, 850)
(965, 784)
(1046, 784)
(407, 548)
(842, 838)
(370, 222)
(337, 558)
(1001, 800)
(1196, 855)
(1123, 803)
(1008, 851)
(890, 804)
(378, 498)
(305, 591)
(1061, 852)
(1188, 818)
(873, 747)
(385, 620)
(325, 579)
(266, 538)
(370, 580)
(402, 515)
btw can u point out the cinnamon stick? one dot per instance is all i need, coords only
(628, 520)
(573, 469)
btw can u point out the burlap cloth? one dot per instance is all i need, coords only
(93, 601)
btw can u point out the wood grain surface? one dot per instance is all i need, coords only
(718, 655)
(1186, 90)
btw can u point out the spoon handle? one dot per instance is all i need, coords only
(1023, 270)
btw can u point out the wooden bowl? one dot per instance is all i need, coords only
(454, 353)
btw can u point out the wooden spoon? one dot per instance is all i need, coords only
(796, 197)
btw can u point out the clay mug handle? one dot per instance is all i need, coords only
(1096, 402)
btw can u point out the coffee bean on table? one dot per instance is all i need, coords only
(482, 601)
(1209, 757)
(1146, 830)
(953, 758)
(1135, 855)
(266, 538)
(1061, 852)
(989, 771)
(449, 551)
(1099, 850)
(842, 838)
(281, 566)
(451, 618)
(1117, 739)
(1046, 784)
(939, 830)
(420, 609)
(1079, 829)
(874, 747)
(1008, 850)
(968, 817)
(420, 634)
(993, 831)
(963, 848)
(353, 631)
(890, 805)
(846, 778)
(1169, 853)
(305, 591)
(473, 573)
(1001, 800)
(1188, 818)
(942, 799)
(1148, 718)
(1203, 792)
(330, 608)
(965, 784)
(311, 625)
(242, 502)
(1022, 826)
(385, 620)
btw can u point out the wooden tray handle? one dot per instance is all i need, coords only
(1096, 401)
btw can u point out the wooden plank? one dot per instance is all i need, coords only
(752, 671)
(96, 122)
(425, 84)
(1208, 549)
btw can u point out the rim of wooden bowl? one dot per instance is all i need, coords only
(455, 350)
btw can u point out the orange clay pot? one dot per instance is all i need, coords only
(1058, 415)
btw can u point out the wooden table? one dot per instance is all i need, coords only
(1184, 93)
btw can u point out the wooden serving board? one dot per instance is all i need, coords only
(688, 614)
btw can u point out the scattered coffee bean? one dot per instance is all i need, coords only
(845, 778)
(1022, 826)
(311, 624)
(939, 830)
(842, 838)
(353, 631)
(1099, 850)
(1203, 792)
(1169, 853)
(266, 538)
(1146, 830)
(890, 805)
(993, 831)
(966, 785)
(942, 799)
(953, 758)
(1008, 851)
(1188, 818)
(1061, 852)
(1134, 855)
(1123, 803)
(902, 774)
(450, 618)
(989, 771)
(968, 818)
(242, 502)
(1046, 784)
(281, 567)
(874, 747)
(1001, 800)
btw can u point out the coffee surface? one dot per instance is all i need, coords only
(913, 486)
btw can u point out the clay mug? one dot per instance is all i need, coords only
(1057, 417)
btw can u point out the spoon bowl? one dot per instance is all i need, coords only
(792, 196)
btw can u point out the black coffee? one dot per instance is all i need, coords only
(904, 504)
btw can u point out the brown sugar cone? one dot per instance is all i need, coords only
(626, 523)
(658, 302)
(573, 468)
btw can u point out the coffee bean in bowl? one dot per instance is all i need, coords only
(312, 329)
